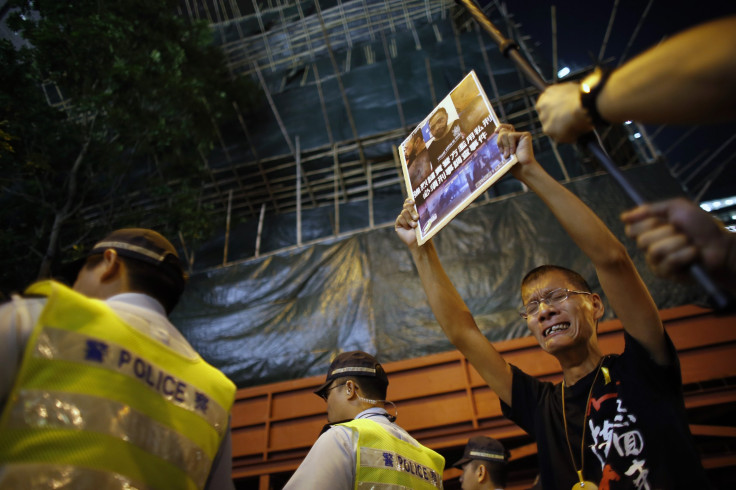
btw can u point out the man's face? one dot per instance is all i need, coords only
(409, 148)
(438, 124)
(336, 402)
(415, 145)
(563, 325)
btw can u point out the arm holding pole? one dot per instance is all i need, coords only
(686, 79)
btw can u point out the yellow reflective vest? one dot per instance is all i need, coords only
(98, 404)
(384, 462)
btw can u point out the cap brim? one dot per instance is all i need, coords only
(461, 462)
(320, 391)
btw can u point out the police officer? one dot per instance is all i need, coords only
(99, 390)
(361, 444)
(484, 464)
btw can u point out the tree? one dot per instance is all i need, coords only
(142, 90)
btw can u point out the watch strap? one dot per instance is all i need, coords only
(588, 98)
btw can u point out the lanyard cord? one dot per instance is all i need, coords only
(585, 416)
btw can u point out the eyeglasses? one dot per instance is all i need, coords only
(552, 298)
(326, 394)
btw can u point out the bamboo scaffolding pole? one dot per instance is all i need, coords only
(281, 124)
(261, 171)
(227, 226)
(298, 194)
(259, 233)
(343, 93)
(394, 86)
(336, 199)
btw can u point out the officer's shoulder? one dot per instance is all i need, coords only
(28, 298)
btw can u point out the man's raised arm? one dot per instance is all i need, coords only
(451, 311)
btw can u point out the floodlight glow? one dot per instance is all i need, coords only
(637, 135)
(723, 202)
(563, 72)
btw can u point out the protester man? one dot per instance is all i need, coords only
(617, 420)
(484, 464)
(99, 390)
(362, 446)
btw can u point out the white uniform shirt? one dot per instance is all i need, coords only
(330, 464)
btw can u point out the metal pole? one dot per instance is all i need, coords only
(608, 31)
(555, 67)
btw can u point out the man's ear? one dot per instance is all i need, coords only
(481, 473)
(350, 389)
(598, 308)
(112, 265)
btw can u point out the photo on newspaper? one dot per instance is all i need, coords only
(452, 157)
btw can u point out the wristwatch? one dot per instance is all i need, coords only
(590, 87)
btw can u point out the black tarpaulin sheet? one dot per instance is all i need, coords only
(282, 317)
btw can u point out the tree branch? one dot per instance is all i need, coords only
(63, 214)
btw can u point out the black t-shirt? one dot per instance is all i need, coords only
(636, 434)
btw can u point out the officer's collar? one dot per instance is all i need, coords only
(141, 300)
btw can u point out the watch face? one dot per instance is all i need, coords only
(590, 86)
(590, 81)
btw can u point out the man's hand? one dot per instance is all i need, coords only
(676, 233)
(563, 118)
(405, 223)
(509, 141)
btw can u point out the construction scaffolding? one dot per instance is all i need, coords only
(344, 83)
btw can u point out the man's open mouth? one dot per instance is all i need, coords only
(555, 328)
